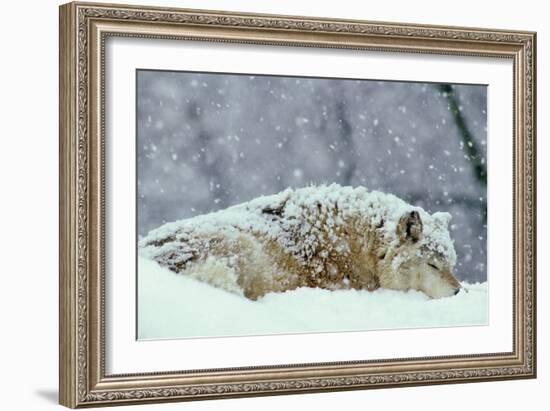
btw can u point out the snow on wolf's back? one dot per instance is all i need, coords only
(325, 236)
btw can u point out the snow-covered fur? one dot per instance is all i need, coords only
(330, 237)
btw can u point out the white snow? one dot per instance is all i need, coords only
(177, 306)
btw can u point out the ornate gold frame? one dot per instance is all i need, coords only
(83, 30)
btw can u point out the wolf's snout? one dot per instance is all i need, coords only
(457, 291)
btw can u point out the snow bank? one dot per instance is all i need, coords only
(176, 306)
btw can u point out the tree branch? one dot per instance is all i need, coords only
(474, 153)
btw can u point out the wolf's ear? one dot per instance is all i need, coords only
(442, 218)
(410, 226)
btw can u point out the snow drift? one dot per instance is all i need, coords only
(177, 306)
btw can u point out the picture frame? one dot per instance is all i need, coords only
(86, 155)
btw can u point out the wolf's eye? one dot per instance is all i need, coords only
(433, 266)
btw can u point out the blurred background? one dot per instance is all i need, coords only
(208, 141)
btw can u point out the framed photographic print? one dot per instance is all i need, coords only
(258, 204)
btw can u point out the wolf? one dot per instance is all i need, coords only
(325, 236)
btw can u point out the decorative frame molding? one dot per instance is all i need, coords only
(83, 30)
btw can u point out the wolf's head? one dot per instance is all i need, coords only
(420, 257)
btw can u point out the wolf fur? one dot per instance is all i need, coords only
(330, 237)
